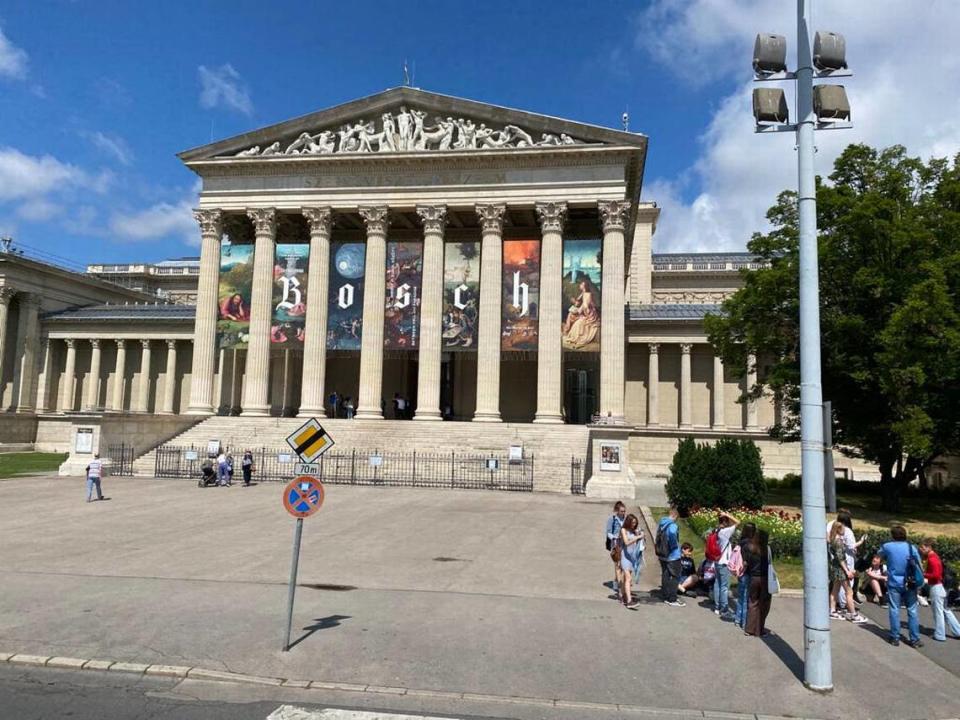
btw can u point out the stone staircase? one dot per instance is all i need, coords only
(552, 446)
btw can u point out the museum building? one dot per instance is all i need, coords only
(424, 271)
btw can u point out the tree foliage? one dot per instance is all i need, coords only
(889, 250)
(727, 474)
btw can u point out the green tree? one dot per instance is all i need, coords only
(889, 246)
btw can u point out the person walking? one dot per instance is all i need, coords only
(612, 532)
(757, 562)
(933, 574)
(94, 473)
(900, 557)
(246, 466)
(747, 534)
(668, 553)
(720, 547)
(841, 575)
(631, 547)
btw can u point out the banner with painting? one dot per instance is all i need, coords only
(461, 296)
(233, 295)
(520, 302)
(581, 295)
(290, 264)
(401, 314)
(345, 304)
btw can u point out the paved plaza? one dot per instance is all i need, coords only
(477, 593)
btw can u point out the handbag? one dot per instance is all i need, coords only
(773, 582)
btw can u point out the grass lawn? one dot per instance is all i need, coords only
(13, 464)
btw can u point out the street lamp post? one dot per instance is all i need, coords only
(770, 111)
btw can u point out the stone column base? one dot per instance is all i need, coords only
(429, 415)
(487, 417)
(549, 419)
(308, 412)
(368, 415)
(256, 412)
(193, 411)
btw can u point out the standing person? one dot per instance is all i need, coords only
(94, 473)
(612, 531)
(851, 547)
(718, 550)
(842, 573)
(747, 534)
(757, 562)
(334, 404)
(229, 468)
(631, 546)
(348, 407)
(246, 465)
(933, 574)
(668, 553)
(901, 590)
(222, 468)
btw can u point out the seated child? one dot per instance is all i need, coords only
(707, 573)
(876, 581)
(688, 575)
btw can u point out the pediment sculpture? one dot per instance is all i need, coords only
(407, 131)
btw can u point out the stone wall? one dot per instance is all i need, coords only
(17, 429)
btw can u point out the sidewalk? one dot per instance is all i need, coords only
(470, 592)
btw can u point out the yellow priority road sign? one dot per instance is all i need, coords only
(310, 441)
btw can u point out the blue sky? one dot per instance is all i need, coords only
(98, 96)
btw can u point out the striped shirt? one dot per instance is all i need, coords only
(94, 469)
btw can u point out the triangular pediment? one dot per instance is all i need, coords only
(406, 119)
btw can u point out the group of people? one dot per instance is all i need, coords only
(223, 467)
(341, 407)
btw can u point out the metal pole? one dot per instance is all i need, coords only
(829, 476)
(293, 580)
(818, 674)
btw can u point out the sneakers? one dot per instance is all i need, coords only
(857, 619)
(835, 615)
(675, 603)
(716, 611)
(894, 641)
(631, 604)
(915, 644)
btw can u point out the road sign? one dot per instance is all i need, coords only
(307, 468)
(303, 497)
(310, 441)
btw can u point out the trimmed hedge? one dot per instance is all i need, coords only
(728, 473)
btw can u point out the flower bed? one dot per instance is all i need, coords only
(785, 529)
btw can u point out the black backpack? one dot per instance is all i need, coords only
(662, 542)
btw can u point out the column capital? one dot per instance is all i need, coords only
(552, 216)
(95, 343)
(654, 348)
(70, 342)
(376, 218)
(264, 220)
(210, 221)
(171, 344)
(613, 213)
(685, 348)
(121, 344)
(31, 300)
(491, 217)
(145, 344)
(320, 219)
(6, 295)
(433, 217)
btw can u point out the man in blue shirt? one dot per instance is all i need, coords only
(670, 561)
(614, 523)
(897, 554)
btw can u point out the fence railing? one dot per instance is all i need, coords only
(367, 467)
(578, 479)
(121, 457)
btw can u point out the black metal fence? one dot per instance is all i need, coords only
(578, 479)
(363, 467)
(121, 457)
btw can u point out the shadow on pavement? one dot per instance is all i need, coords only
(319, 624)
(787, 655)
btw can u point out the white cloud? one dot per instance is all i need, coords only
(906, 90)
(112, 145)
(39, 209)
(223, 87)
(163, 219)
(13, 60)
(27, 176)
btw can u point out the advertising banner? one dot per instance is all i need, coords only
(520, 303)
(290, 264)
(401, 316)
(461, 295)
(345, 304)
(233, 295)
(581, 295)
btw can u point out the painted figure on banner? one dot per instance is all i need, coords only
(345, 304)
(520, 305)
(461, 295)
(233, 296)
(581, 295)
(290, 266)
(401, 316)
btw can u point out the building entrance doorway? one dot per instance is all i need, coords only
(458, 385)
(580, 392)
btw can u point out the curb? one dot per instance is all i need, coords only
(195, 673)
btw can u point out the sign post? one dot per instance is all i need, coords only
(302, 498)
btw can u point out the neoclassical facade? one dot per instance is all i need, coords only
(487, 265)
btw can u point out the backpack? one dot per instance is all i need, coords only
(661, 543)
(713, 551)
(735, 564)
(913, 578)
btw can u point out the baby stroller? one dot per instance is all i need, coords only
(208, 475)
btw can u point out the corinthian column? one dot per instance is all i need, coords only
(371, 342)
(6, 295)
(143, 392)
(434, 219)
(30, 330)
(653, 386)
(43, 384)
(488, 341)
(613, 216)
(116, 402)
(66, 402)
(93, 391)
(256, 400)
(315, 326)
(170, 381)
(549, 351)
(718, 403)
(686, 406)
(205, 325)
